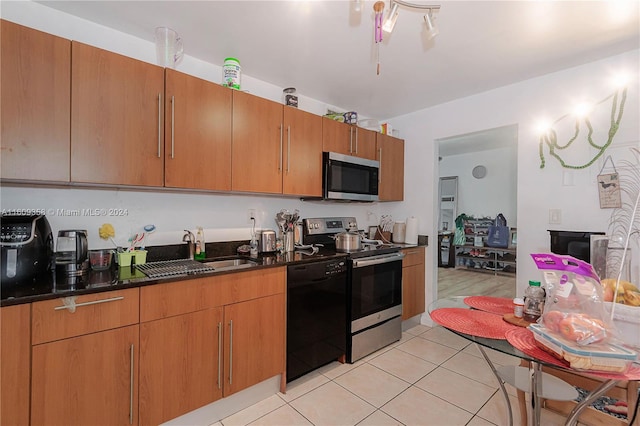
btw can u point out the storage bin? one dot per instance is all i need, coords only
(627, 321)
(125, 258)
(607, 357)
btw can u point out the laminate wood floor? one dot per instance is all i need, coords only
(460, 282)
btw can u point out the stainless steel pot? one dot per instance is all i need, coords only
(348, 242)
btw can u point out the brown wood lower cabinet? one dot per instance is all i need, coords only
(15, 363)
(86, 380)
(255, 340)
(208, 338)
(413, 282)
(181, 364)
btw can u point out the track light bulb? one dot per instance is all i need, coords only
(432, 30)
(390, 21)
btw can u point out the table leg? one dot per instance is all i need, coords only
(592, 396)
(535, 370)
(500, 382)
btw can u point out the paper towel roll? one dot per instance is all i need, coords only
(411, 233)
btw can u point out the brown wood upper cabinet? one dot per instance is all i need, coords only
(275, 149)
(257, 146)
(35, 70)
(348, 139)
(391, 157)
(197, 133)
(116, 119)
(302, 153)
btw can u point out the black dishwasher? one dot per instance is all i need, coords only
(316, 315)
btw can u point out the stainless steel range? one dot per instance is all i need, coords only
(374, 286)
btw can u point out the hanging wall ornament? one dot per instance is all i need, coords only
(378, 8)
(550, 137)
(609, 187)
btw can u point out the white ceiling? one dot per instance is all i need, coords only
(326, 50)
(485, 140)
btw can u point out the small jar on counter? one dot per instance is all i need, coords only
(518, 307)
(534, 297)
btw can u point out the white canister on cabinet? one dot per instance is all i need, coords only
(231, 73)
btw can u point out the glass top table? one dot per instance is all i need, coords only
(535, 374)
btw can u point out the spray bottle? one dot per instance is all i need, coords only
(200, 245)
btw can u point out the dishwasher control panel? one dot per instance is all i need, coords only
(335, 267)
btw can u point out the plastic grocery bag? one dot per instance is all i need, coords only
(574, 307)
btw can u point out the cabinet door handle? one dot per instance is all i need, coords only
(131, 351)
(412, 252)
(230, 351)
(70, 303)
(380, 161)
(159, 124)
(280, 163)
(356, 140)
(219, 355)
(288, 148)
(173, 115)
(350, 140)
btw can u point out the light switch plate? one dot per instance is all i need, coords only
(555, 216)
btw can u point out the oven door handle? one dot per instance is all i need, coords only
(376, 260)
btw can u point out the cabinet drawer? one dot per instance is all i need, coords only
(413, 256)
(52, 320)
(181, 297)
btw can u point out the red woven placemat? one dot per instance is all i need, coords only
(475, 323)
(495, 305)
(523, 340)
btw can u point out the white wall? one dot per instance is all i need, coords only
(224, 216)
(538, 189)
(493, 194)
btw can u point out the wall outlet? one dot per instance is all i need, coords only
(555, 216)
(252, 215)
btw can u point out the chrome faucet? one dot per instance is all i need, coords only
(190, 239)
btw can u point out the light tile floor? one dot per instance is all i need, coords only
(430, 377)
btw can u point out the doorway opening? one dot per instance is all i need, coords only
(484, 165)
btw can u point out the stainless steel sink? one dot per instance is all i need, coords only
(229, 264)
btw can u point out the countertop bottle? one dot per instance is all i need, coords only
(533, 301)
(200, 245)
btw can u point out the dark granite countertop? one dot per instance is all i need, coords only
(51, 286)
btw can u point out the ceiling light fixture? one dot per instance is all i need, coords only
(432, 30)
(386, 26)
(392, 16)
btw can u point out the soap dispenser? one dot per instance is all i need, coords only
(200, 245)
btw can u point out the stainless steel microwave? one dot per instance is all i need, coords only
(349, 178)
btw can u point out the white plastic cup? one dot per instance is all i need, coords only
(169, 49)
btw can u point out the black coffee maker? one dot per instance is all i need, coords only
(27, 248)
